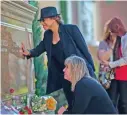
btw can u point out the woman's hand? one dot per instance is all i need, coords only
(24, 51)
(105, 62)
(61, 110)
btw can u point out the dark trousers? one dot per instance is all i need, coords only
(68, 93)
(118, 95)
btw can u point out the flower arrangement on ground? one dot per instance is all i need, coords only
(43, 104)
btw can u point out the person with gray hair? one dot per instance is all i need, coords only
(89, 95)
(59, 42)
(78, 68)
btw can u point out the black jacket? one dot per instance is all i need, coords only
(91, 98)
(73, 43)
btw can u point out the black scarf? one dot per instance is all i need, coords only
(116, 49)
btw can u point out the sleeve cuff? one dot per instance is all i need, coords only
(111, 65)
(29, 56)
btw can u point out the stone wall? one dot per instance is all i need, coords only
(16, 27)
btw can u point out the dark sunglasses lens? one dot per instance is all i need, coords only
(42, 20)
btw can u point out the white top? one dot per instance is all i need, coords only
(123, 60)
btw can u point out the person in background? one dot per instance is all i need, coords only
(60, 41)
(105, 52)
(120, 65)
(89, 95)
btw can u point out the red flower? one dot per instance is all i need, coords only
(20, 112)
(12, 90)
(28, 110)
(25, 110)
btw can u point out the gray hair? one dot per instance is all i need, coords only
(78, 69)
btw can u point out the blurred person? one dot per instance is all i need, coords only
(105, 52)
(89, 95)
(60, 41)
(120, 65)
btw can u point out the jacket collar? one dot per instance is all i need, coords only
(60, 28)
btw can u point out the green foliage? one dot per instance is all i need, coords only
(33, 3)
(40, 72)
(109, 1)
(64, 8)
(96, 68)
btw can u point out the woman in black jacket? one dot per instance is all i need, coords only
(60, 41)
(89, 96)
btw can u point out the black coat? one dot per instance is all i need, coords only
(73, 43)
(91, 98)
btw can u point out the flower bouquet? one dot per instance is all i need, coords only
(46, 104)
(37, 104)
(51, 105)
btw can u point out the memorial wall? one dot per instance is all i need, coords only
(16, 28)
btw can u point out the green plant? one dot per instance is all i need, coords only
(40, 71)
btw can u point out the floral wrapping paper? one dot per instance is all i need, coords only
(46, 104)
(106, 74)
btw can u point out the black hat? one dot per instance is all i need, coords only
(48, 12)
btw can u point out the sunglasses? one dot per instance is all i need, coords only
(43, 20)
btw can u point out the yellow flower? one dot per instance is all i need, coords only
(51, 103)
